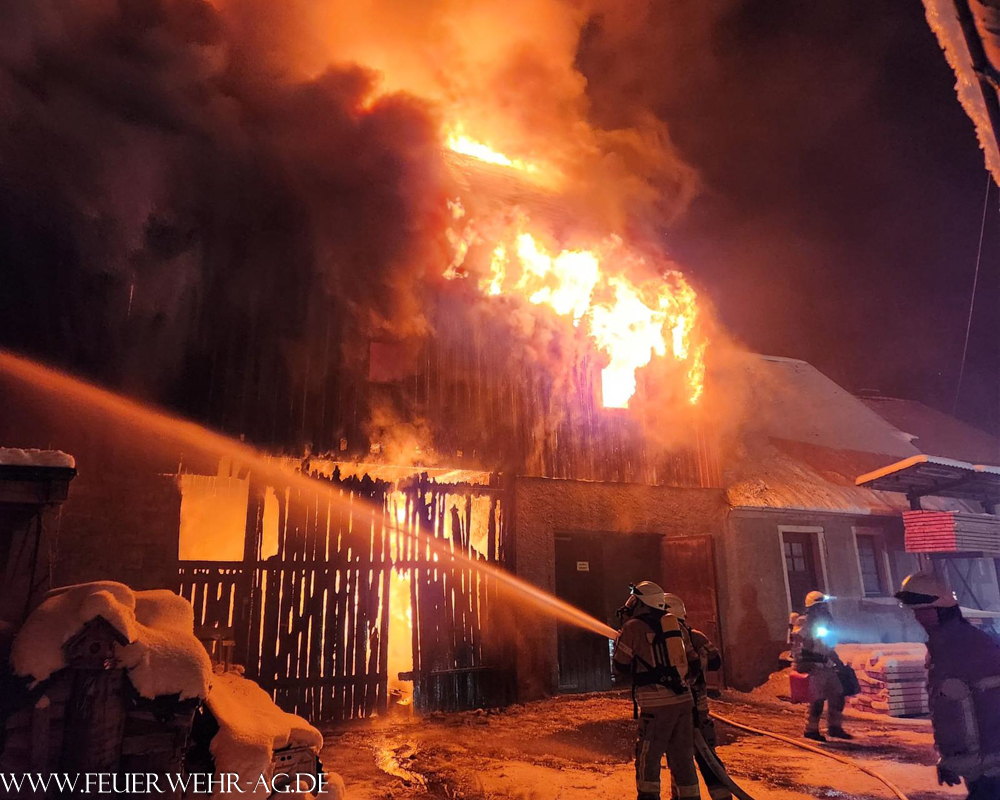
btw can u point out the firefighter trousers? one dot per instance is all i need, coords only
(666, 731)
(825, 688)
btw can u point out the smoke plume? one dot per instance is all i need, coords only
(203, 201)
(162, 178)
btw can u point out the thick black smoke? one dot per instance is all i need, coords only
(165, 188)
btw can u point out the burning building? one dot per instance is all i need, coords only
(437, 288)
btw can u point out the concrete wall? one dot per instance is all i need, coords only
(543, 507)
(120, 528)
(752, 594)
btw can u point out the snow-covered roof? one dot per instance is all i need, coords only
(799, 403)
(773, 476)
(935, 433)
(812, 439)
(923, 475)
(16, 457)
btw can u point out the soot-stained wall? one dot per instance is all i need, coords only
(544, 507)
(120, 528)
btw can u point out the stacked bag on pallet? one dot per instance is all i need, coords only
(893, 678)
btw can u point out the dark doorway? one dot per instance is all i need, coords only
(593, 573)
(800, 566)
(584, 662)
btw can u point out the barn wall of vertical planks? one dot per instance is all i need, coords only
(308, 616)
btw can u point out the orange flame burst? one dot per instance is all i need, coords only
(629, 322)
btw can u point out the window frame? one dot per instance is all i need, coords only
(882, 565)
(819, 551)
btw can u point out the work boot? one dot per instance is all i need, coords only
(816, 736)
(839, 733)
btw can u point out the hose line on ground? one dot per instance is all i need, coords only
(889, 784)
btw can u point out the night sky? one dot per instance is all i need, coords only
(843, 193)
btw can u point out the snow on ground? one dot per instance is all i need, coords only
(580, 747)
(252, 727)
(12, 456)
(163, 655)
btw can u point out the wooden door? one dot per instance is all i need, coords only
(800, 566)
(689, 572)
(584, 659)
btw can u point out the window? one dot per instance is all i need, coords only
(800, 549)
(795, 556)
(872, 562)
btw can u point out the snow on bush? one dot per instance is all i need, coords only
(11, 456)
(163, 656)
(252, 727)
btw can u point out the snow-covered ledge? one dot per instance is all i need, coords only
(35, 477)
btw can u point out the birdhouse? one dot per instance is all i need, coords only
(93, 647)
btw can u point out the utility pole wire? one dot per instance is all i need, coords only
(972, 300)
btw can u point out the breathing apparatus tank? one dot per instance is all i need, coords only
(668, 647)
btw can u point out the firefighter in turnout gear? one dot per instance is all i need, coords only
(963, 687)
(703, 657)
(814, 655)
(652, 650)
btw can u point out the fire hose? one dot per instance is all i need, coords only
(710, 756)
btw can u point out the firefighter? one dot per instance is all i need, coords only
(702, 657)
(814, 655)
(651, 651)
(963, 685)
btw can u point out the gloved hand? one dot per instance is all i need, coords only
(947, 777)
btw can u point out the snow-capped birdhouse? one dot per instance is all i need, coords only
(93, 647)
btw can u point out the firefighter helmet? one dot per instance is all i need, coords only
(925, 590)
(675, 606)
(649, 594)
(815, 598)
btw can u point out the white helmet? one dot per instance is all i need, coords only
(925, 590)
(649, 594)
(815, 598)
(675, 606)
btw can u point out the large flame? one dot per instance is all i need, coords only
(630, 322)
(459, 142)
